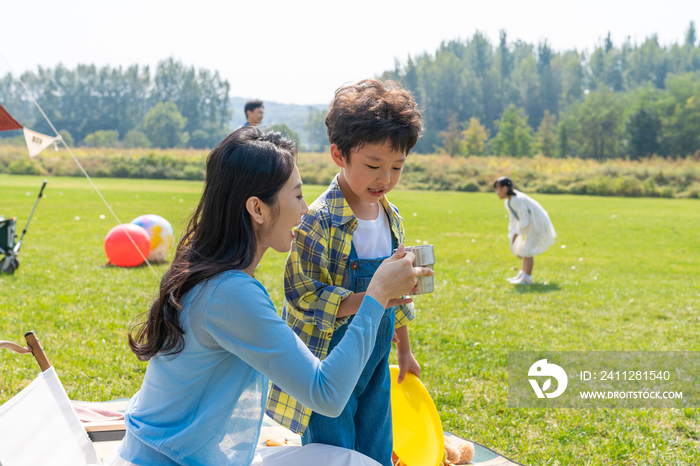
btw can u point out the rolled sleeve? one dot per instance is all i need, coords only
(405, 314)
(324, 306)
(310, 297)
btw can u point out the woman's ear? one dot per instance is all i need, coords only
(255, 208)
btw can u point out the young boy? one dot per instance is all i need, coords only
(349, 230)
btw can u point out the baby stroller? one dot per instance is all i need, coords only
(8, 235)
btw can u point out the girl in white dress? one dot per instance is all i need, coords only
(530, 230)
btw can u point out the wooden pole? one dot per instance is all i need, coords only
(37, 350)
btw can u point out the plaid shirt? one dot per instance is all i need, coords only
(313, 279)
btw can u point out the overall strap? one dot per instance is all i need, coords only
(394, 239)
(511, 210)
(353, 252)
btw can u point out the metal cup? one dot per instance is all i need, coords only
(425, 257)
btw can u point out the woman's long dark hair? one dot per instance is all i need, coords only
(220, 235)
(507, 182)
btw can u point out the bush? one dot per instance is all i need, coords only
(289, 132)
(102, 138)
(666, 191)
(693, 192)
(629, 186)
(26, 166)
(681, 177)
(164, 124)
(469, 186)
(17, 140)
(649, 188)
(134, 139)
(193, 173)
(199, 139)
(548, 188)
(67, 137)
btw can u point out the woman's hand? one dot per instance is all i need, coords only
(396, 277)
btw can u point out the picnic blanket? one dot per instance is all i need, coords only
(483, 456)
(119, 405)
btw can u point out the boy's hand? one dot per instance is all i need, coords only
(407, 363)
(350, 305)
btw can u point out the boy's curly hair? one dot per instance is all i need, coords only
(372, 112)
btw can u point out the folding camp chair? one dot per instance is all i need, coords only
(39, 424)
(9, 263)
(8, 247)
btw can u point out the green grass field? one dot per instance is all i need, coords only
(628, 279)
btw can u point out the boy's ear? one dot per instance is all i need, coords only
(337, 156)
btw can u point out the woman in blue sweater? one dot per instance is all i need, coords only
(213, 338)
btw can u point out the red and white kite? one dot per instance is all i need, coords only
(36, 142)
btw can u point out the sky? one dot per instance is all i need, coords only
(301, 51)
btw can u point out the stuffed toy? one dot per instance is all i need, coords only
(276, 442)
(457, 451)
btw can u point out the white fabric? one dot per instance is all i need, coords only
(39, 426)
(113, 459)
(532, 225)
(516, 245)
(37, 142)
(311, 454)
(372, 238)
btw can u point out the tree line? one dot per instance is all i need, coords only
(515, 98)
(178, 106)
(512, 98)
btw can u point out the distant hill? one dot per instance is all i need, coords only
(292, 115)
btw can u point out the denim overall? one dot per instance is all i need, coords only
(365, 423)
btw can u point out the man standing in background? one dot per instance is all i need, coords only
(253, 113)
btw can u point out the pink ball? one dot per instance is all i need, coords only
(120, 249)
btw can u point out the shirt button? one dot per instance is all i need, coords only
(344, 258)
(330, 335)
(354, 266)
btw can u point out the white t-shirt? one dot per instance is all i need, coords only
(372, 238)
